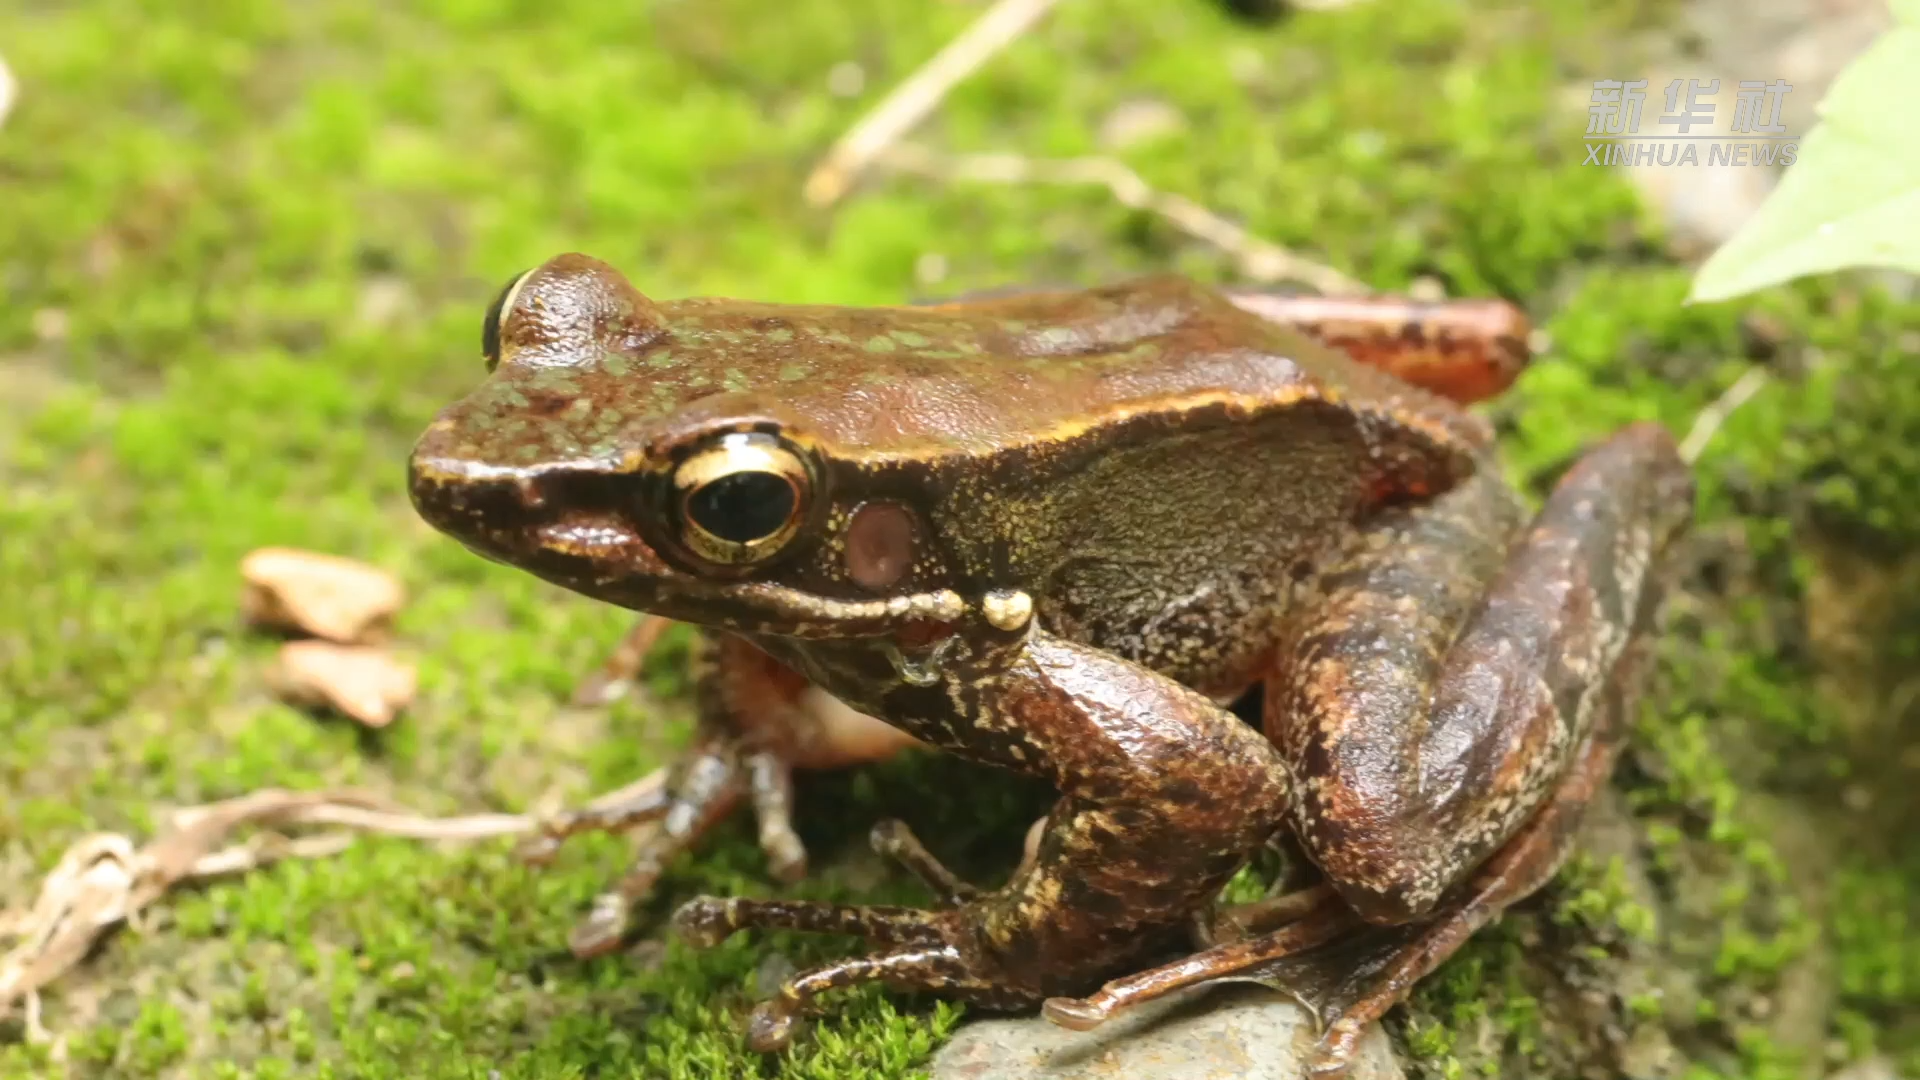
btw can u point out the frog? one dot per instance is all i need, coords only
(1466, 350)
(1060, 532)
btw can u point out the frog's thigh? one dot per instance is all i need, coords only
(1451, 669)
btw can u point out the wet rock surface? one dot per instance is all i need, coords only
(1225, 1033)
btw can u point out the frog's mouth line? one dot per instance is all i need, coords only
(744, 606)
(777, 609)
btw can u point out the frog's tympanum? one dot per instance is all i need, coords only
(1059, 533)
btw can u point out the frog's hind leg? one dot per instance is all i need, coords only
(1363, 972)
(1453, 673)
(1318, 925)
(1516, 871)
(1466, 350)
(1434, 764)
(1449, 707)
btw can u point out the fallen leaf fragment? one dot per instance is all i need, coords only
(321, 595)
(364, 683)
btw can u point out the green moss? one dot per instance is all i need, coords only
(1878, 951)
(244, 259)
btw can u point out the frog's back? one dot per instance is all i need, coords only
(593, 375)
(984, 376)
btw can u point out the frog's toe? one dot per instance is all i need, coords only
(786, 855)
(604, 929)
(771, 1028)
(893, 839)
(1074, 1014)
(706, 921)
(538, 851)
(1333, 1055)
(598, 690)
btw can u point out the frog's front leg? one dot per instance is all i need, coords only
(1164, 795)
(1450, 706)
(758, 720)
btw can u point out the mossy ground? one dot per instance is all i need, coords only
(243, 251)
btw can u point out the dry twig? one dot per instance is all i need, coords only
(875, 140)
(104, 879)
(1711, 417)
(912, 100)
(1258, 259)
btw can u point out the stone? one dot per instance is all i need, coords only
(1239, 1032)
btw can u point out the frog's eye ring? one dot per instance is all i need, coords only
(497, 311)
(741, 499)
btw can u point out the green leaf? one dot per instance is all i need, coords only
(1852, 196)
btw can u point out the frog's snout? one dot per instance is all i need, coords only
(458, 498)
(565, 526)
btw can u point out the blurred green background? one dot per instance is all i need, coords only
(244, 251)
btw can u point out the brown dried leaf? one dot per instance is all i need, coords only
(364, 683)
(323, 595)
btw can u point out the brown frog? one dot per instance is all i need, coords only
(1058, 533)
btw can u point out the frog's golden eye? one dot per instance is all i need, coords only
(741, 499)
(501, 307)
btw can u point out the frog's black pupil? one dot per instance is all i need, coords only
(490, 331)
(743, 507)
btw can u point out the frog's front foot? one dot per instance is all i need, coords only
(759, 722)
(921, 951)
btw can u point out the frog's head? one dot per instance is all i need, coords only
(643, 458)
